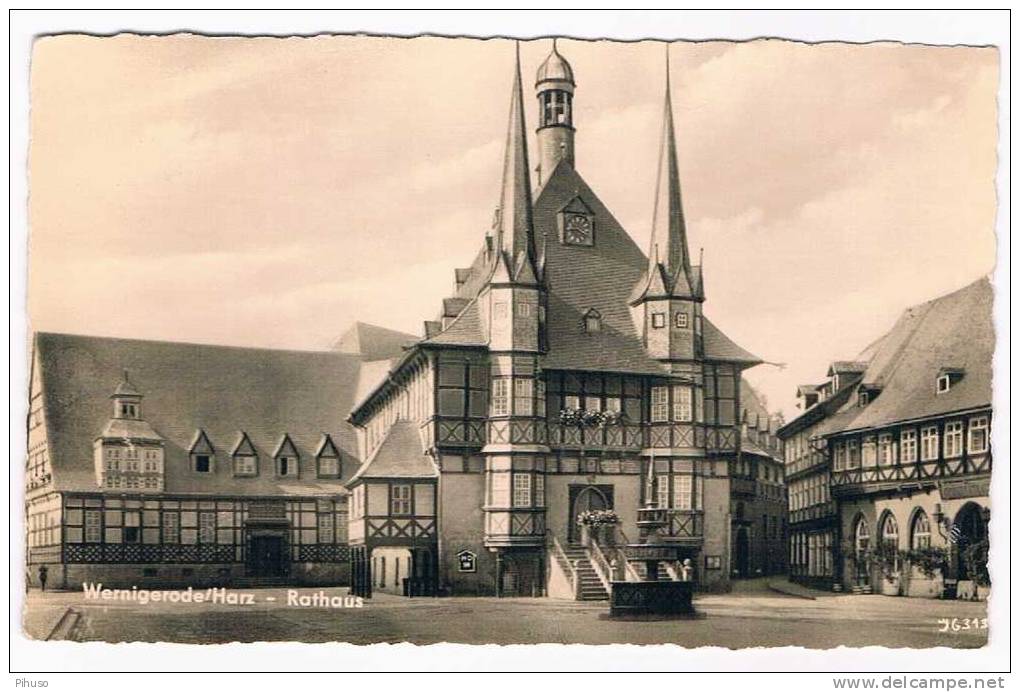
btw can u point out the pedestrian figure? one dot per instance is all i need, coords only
(43, 571)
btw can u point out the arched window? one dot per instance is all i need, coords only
(861, 535)
(592, 321)
(920, 531)
(889, 530)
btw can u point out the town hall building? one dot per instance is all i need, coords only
(567, 375)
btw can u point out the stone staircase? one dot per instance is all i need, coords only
(859, 590)
(591, 586)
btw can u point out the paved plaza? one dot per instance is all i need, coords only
(753, 616)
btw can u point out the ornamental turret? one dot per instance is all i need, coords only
(554, 87)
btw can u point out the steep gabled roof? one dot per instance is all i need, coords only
(955, 330)
(399, 455)
(372, 342)
(580, 278)
(191, 387)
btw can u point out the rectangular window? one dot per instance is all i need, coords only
(838, 456)
(660, 404)
(132, 527)
(929, 443)
(682, 492)
(954, 438)
(540, 490)
(593, 403)
(451, 402)
(245, 465)
(400, 500)
(853, 455)
(681, 320)
(522, 490)
(329, 466)
(93, 526)
(683, 404)
(207, 527)
(868, 452)
(571, 402)
(908, 446)
(171, 527)
(662, 491)
(500, 397)
(524, 397)
(500, 490)
(885, 450)
(286, 466)
(977, 439)
(326, 528)
(203, 463)
(658, 320)
(613, 404)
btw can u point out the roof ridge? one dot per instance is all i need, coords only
(95, 337)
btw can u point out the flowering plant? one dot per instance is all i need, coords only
(579, 418)
(598, 517)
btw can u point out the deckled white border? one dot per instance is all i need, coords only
(926, 27)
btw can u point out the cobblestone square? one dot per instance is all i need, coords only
(753, 617)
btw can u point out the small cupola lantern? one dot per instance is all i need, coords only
(128, 453)
(127, 400)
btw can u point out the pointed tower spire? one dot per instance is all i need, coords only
(669, 231)
(516, 233)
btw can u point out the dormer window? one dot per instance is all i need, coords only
(592, 321)
(128, 410)
(863, 398)
(246, 465)
(202, 454)
(327, 459)
(286, 457)
(203, 463)
(946, 378)
(245, 457)
(286, 466)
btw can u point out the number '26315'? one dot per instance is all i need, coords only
(962, 624)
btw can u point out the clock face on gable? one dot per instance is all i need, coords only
(577, 229)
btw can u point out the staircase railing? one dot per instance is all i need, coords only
(564, 561)
(602, 566)
(629, 571)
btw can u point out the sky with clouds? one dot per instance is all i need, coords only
(270, 192)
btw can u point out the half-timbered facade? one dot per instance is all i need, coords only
(567, 372)
(888, 468)
(560, 313)
(154, 463)
(912, 459)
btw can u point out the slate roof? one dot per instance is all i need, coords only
(844, 366)
(186, 387)
(372, 341)
(955, 330)
(399, 455)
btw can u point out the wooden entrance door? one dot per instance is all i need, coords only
(584, 498)
(267, 556)
(743, 550)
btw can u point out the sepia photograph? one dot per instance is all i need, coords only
(515, 338)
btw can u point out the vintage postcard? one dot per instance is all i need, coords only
(363, 338)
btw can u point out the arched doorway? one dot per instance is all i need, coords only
(969, 528)
(862, 541)
(742, 546)
(586, 498)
